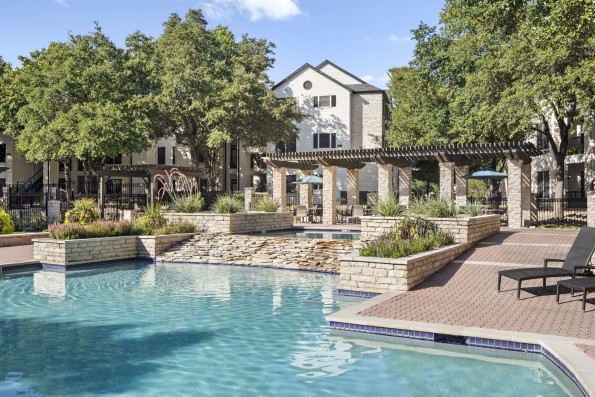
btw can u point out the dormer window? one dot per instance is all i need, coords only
(325, 101)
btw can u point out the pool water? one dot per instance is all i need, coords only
(314, 234)
(202, 330)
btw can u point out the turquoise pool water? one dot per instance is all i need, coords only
(199, 330)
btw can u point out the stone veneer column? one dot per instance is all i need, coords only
(447, 180)
(385, 180)
(329, 195)
(280, 186)
(352, 186)
(305, 191)
(461, 185)
(405, 182)
(249, 198)
(590, 173)
(519, 193)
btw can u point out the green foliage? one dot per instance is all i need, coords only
(473, 208)
(388, 206)
(75, 231)
(477, 189)
(187, 204)
(391, 246)
(6, 224)
(174, 229)
(433, 207)
(82, 211)
(31, 222)
(410, 227)
(228, 204)
(579, 149)
(152, 219)
(266, 204)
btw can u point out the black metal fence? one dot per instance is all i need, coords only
(565, 211)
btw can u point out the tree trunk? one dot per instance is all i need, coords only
(559, 189)
(67, 181)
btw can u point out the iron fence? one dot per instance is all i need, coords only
(564, 211)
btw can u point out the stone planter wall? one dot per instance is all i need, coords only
(151, 246)
(91, 250)
(10, 240)
(285, 253)
(379, 275)
(463, 229)
(234, 223)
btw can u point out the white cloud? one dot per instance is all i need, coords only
(394, 37)
(379, 81)
(368, 78)
(255, 9)
(63, 3)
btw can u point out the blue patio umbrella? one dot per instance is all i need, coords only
(310, 179)
(486, 173)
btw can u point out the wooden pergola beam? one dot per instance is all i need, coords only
(342, 163)
(292, 165)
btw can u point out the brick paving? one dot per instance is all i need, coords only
(20, 253)
(464, 293)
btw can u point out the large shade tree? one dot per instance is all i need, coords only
(506, 69)
(214, 90)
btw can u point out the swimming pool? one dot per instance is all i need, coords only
(313, 233)
(181, 329)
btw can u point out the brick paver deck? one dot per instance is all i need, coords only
(464, 293)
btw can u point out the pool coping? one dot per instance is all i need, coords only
(562, 351)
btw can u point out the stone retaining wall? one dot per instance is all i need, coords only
(234, 223)
(379, 275)
(91, 250)
(11, 240)
(285, 253)
(463, 229)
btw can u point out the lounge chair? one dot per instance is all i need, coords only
(578, 257)
(301, 212)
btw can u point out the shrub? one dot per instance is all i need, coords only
(388, 206)
(409, 228)
(6, 223)
(187, 204)
(433, 207)
(228, 204)
(75, 231)
(82, 211)
(477, 189)
(152, 219)
(390, 246)
(473, 209)
(266, 204)
(173, 229)
(31, 222)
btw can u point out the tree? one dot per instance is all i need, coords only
(509, 69)
(214, 90)
(72, 100)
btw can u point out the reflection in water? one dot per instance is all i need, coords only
(50, 283)
(323, 358)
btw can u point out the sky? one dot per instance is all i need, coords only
(366, 38)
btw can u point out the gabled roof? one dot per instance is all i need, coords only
(364, 88)
(308, 66)
(327, 62)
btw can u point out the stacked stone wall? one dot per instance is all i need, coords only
(234, 223)
(463, 229)
(379, 275)
(278, 252)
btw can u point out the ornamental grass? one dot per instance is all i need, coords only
(75, 231)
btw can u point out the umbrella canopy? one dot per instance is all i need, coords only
(310, 179)
(486, 173)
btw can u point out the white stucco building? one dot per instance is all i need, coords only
(344, 112)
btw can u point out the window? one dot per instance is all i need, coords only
(3, 153)
(543, 184)
(61, 165)
(113, 186)
(325, 101)
(204, 184)
(116, 160)
(256, 161)
(542, 142)
(201, 158)
(289, 147)
(234, 184)
(161, 155)
(80, 165)
(233, 156)
(173, 155)
(324, 140)
(2, 184)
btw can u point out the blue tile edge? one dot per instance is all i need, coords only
(469, 341)
(359, 294)
(244, 265)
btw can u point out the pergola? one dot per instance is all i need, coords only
(144, 171)
(453, 163)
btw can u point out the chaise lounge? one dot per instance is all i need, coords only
(578, 257)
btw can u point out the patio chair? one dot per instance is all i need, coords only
(301, 212)
(578, 257)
